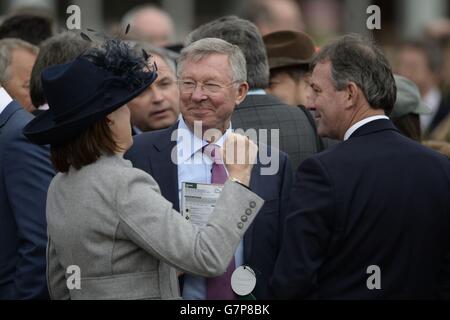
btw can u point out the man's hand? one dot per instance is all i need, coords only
(239, 156)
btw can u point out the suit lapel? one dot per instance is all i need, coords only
(7, 113)
(164, 169)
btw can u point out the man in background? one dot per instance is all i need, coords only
(17, 59)
(289, 54)
(32, 28)
(421, 62)
(25, 174)
(150, 23)
(158, 106)
(59, 49)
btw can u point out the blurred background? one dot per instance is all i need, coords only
(400, 19)
(414, 34)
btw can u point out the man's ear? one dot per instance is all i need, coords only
(242, 92)
(353, 93)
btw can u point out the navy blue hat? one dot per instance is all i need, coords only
(87, 89)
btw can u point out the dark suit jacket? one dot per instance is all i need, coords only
(378, 198)
(25, 175)
(297, 136)
(151, 152)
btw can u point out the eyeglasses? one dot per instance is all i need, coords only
(189, 86)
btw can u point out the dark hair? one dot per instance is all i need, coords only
(295, 72)
(356, 59)
(409, 126)
(246, 36)
(84, 149)
(30, 28)
(59, 49)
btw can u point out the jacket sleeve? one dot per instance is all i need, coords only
(307, 232)
(148, 219)
(56, 279)
(28, 172)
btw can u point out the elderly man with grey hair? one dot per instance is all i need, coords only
(17, 58)
(212, 82)
(262, 111)
(370, 217)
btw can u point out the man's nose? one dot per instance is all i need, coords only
(310, 103)
(157, 95)
(198, 95)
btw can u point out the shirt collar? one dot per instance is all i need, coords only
(188, 143)
(5, 99)
(137, 130)
(359, 124)
(255, 92)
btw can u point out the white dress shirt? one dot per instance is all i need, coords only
(194, 166)
(360, 123)
(5, 99)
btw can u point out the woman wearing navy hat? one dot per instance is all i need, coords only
(107, 219)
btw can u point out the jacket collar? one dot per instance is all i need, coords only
(373, 127)
(10, 109)
(166, 141)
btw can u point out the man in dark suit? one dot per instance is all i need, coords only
(260, 110)
(370, 217)
(209, 90)
(25, 175)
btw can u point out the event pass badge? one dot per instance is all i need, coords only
(198, 201)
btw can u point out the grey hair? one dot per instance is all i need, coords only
(356, 59)
(246, 36)
(169, 57)
(7, 45)
(200, 49)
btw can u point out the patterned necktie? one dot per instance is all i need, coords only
(219, 288)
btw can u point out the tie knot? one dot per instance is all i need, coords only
(212, 151)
